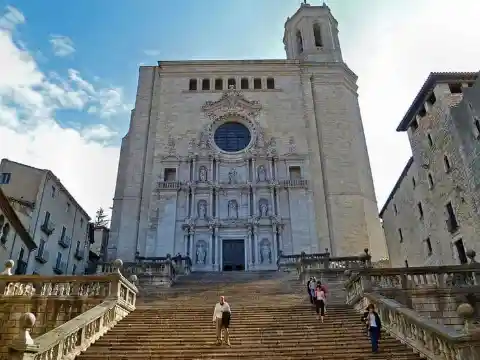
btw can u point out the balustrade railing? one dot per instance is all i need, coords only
(116, 294)
(390, 291)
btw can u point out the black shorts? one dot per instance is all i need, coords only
(226, 320)
(320, 307)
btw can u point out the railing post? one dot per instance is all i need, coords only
(23, 347)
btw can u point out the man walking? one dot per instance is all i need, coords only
(374, 326)
(221, 319)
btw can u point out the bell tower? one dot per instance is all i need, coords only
(311, 34)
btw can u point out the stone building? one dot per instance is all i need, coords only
(15, 241)
(432, 217)
(51, 215)
(233, 162)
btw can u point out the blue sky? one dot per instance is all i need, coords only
(68, 70)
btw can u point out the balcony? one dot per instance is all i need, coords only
(48, 227)
(79, 254)
(64, 241)
(60, 268)
(42, 255)
(21, 267)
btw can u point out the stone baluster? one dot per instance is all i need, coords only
(8, 268)
(23, 347)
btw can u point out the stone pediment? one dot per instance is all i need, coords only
(232, 101)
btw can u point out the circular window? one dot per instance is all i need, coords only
(232, 137)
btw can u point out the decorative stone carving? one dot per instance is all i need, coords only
(265, 251)
(171, 147)
(232, 101)
(272, 147)
(233, 209)
(201, 253)
(202, 209)
(202, 174)
(263, 207)
(232, 176)
(260, 139)
(261, 173)
(292, 147)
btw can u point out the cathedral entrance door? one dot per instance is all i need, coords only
(233, 255)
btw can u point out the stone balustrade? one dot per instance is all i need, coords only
(90, 306)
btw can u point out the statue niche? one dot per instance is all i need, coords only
(201, 254)
(265, 251)
(263, 207)
(261, 174)
(202, 209)
(202, 174)
(232, 176)
(232, 209)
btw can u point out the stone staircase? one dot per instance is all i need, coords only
(271, 319)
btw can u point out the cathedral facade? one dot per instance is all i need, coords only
(234, 162)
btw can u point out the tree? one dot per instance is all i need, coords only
(101, 219)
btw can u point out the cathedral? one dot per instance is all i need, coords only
(236, 162)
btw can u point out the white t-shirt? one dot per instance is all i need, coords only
(220, 309)
(371, 320)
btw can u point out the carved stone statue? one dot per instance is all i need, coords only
(202, 209)
(201, 255)
(261, 173)
(265, 252)
(232, 176)
(202, 174)
(263, 207)
(233, 209)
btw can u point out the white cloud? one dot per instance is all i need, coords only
(62, 45)
(392, 51)
(152, 52)
(30, 134)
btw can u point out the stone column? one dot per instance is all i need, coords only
(248, 247)
(255, 243)
(194, 170)
(210, 207)
(210, 177)
(272, 200)
(186, 237)
(254, 200)
(274, 244)
(219, 250)
(270, 168)
(191, 235)
(280, 239)
(193, 205)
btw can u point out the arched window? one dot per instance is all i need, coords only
(317, 34)
(299, 42)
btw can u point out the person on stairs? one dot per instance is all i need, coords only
(311, 287)
(320, 301)
(374, 326)
(308, 289)
(221, 320)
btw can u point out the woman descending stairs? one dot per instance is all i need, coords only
(268, 321)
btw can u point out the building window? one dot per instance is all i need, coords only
(414, 125)
(170, 174)
(5, 178)
(46, 220)
(430, 140)
(455, 88)
(81, 222)
(420, 210)
(446, 164)
(414, 182)
(232, 137)
(430, 181)
(244, 84)
(54, 191)
(462, 254)
(206, 84)
(452, 223)
(400, 235)
(295, 172)
(257, 83)
(192, 85)
(58, 260)
(395, 210)
(68, 207)
(431, 99)
(476, 127)
(317, 34)
(428, 245)
(422, 112)
(231, 82)
(74, 269)
(270, 83)
(218, 84)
